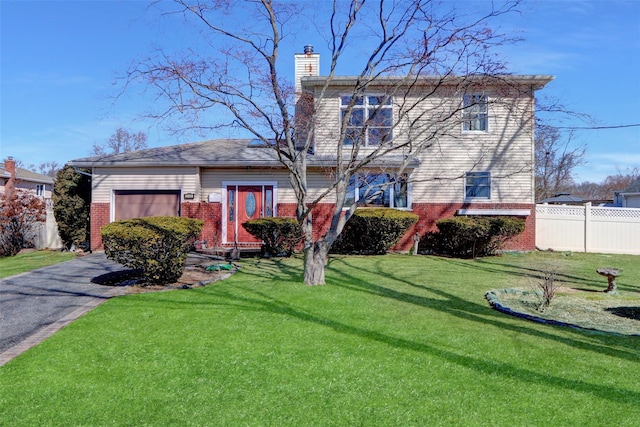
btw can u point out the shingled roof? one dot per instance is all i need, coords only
(211, 153)
(634, 187)
(26, 175)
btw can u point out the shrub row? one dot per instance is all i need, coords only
(373, 231)
(158, 246)
(469, 237)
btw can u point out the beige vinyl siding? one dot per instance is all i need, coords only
(327, 119)
(505, 150)
(105, 180)
(212, 180)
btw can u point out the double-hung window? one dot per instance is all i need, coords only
(475, 113)
(477, 185)
(40, 190)
(368, 121)
(379, 190)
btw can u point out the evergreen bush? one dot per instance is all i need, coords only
(158, 246)
(469, 237)
(71, 205)
(374, 231)
(279, 235)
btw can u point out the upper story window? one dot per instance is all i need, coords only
(40, 190)
(475, 113)
(379, 190)
(370, 120)
(477, 185)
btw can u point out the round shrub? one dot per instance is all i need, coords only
(374, 231)
(158, 246)
(469, 237)
(279, 235)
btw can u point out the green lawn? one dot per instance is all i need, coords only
(396, 340)
(28, 261)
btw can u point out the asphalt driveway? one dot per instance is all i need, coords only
(36, 301)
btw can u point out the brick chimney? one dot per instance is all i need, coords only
(306, 64)
(10, 168)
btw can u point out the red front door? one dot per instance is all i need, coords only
(243, 203)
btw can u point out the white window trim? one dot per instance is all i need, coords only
(475, 131)
(494, 212)
(477, 198)
(365, 107)
(41, 190)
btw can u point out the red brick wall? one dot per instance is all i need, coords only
(211, 214)
(431, 212)
(99, 218)
(321, 215)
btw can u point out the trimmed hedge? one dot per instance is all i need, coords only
(158, 246)
(279, 235)
(469, 237)
(374, 231)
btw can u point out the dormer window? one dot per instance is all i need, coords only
(475, 113)
(368, 119)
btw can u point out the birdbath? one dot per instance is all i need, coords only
(611, 274)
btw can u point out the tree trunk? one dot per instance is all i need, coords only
(315, 260)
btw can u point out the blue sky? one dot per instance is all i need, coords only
(59, 60)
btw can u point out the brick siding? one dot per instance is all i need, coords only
(211, 214)
(100, 214)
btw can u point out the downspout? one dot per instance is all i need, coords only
(77, 170)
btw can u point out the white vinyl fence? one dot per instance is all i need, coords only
(588, 229)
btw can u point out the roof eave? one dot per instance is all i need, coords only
(537, 81)
(130, 164)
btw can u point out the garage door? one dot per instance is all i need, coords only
(138, 204)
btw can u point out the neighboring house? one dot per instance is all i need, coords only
(563, 199)
(38, 184)
(12, 177)
(482, 166)
(630, 196)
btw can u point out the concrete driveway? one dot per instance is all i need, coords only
(36, 304)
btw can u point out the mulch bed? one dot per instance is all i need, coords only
(200, 270)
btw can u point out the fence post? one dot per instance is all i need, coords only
(587, 226)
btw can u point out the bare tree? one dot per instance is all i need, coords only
(47, 168)
(605, 190)
(436, 49)
(122, 141)
(556, 159)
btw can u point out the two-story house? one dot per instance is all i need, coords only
(478, 159)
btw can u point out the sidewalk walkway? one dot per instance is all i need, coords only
(34, 305)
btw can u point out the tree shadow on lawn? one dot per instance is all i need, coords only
(538, 274)
(600, 342)
(254, 300)
(519, 271)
